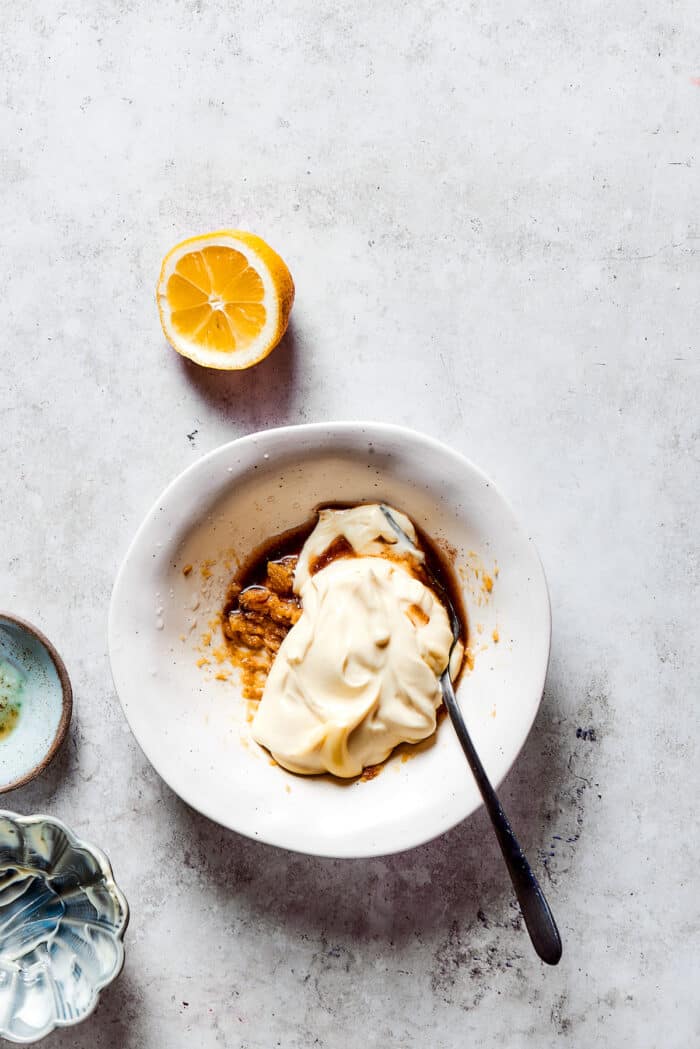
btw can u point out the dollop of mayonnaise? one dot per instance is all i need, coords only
(359, 672)
(367, 531)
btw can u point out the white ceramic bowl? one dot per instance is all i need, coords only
(192, 726)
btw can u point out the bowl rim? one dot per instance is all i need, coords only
(66, 705)
(334, 428)
(106, 868)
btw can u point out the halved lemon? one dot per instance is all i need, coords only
(224, 299)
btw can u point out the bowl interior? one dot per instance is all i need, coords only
(186, 709)
(34, 702)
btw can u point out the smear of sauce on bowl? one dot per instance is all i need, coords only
(11, 686)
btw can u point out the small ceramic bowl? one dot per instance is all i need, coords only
(36, 702)
(62, 923)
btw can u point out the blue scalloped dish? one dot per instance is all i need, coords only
(62, 923)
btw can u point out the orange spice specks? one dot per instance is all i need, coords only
(488, 583)
(479, 628)
(271, 761)
(187, 569)
(493, 713)
(223, 675)
(203, 662)
(496, 570)
(215, 623)
(182, 637)
(370, 772)
(496, 637)
(469, 656)
(220, 655)
(206, 567)
(417, 616)
(206, 640)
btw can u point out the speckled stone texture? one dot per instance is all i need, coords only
(492, 213)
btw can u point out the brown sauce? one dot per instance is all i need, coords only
(340, 547)
(286, 544)
(440, 565)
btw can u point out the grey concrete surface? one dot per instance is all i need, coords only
(492, 213)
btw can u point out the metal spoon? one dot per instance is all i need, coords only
(535, 909)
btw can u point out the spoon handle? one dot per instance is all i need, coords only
(535, 909)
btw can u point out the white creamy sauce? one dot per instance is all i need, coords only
(359, 672)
